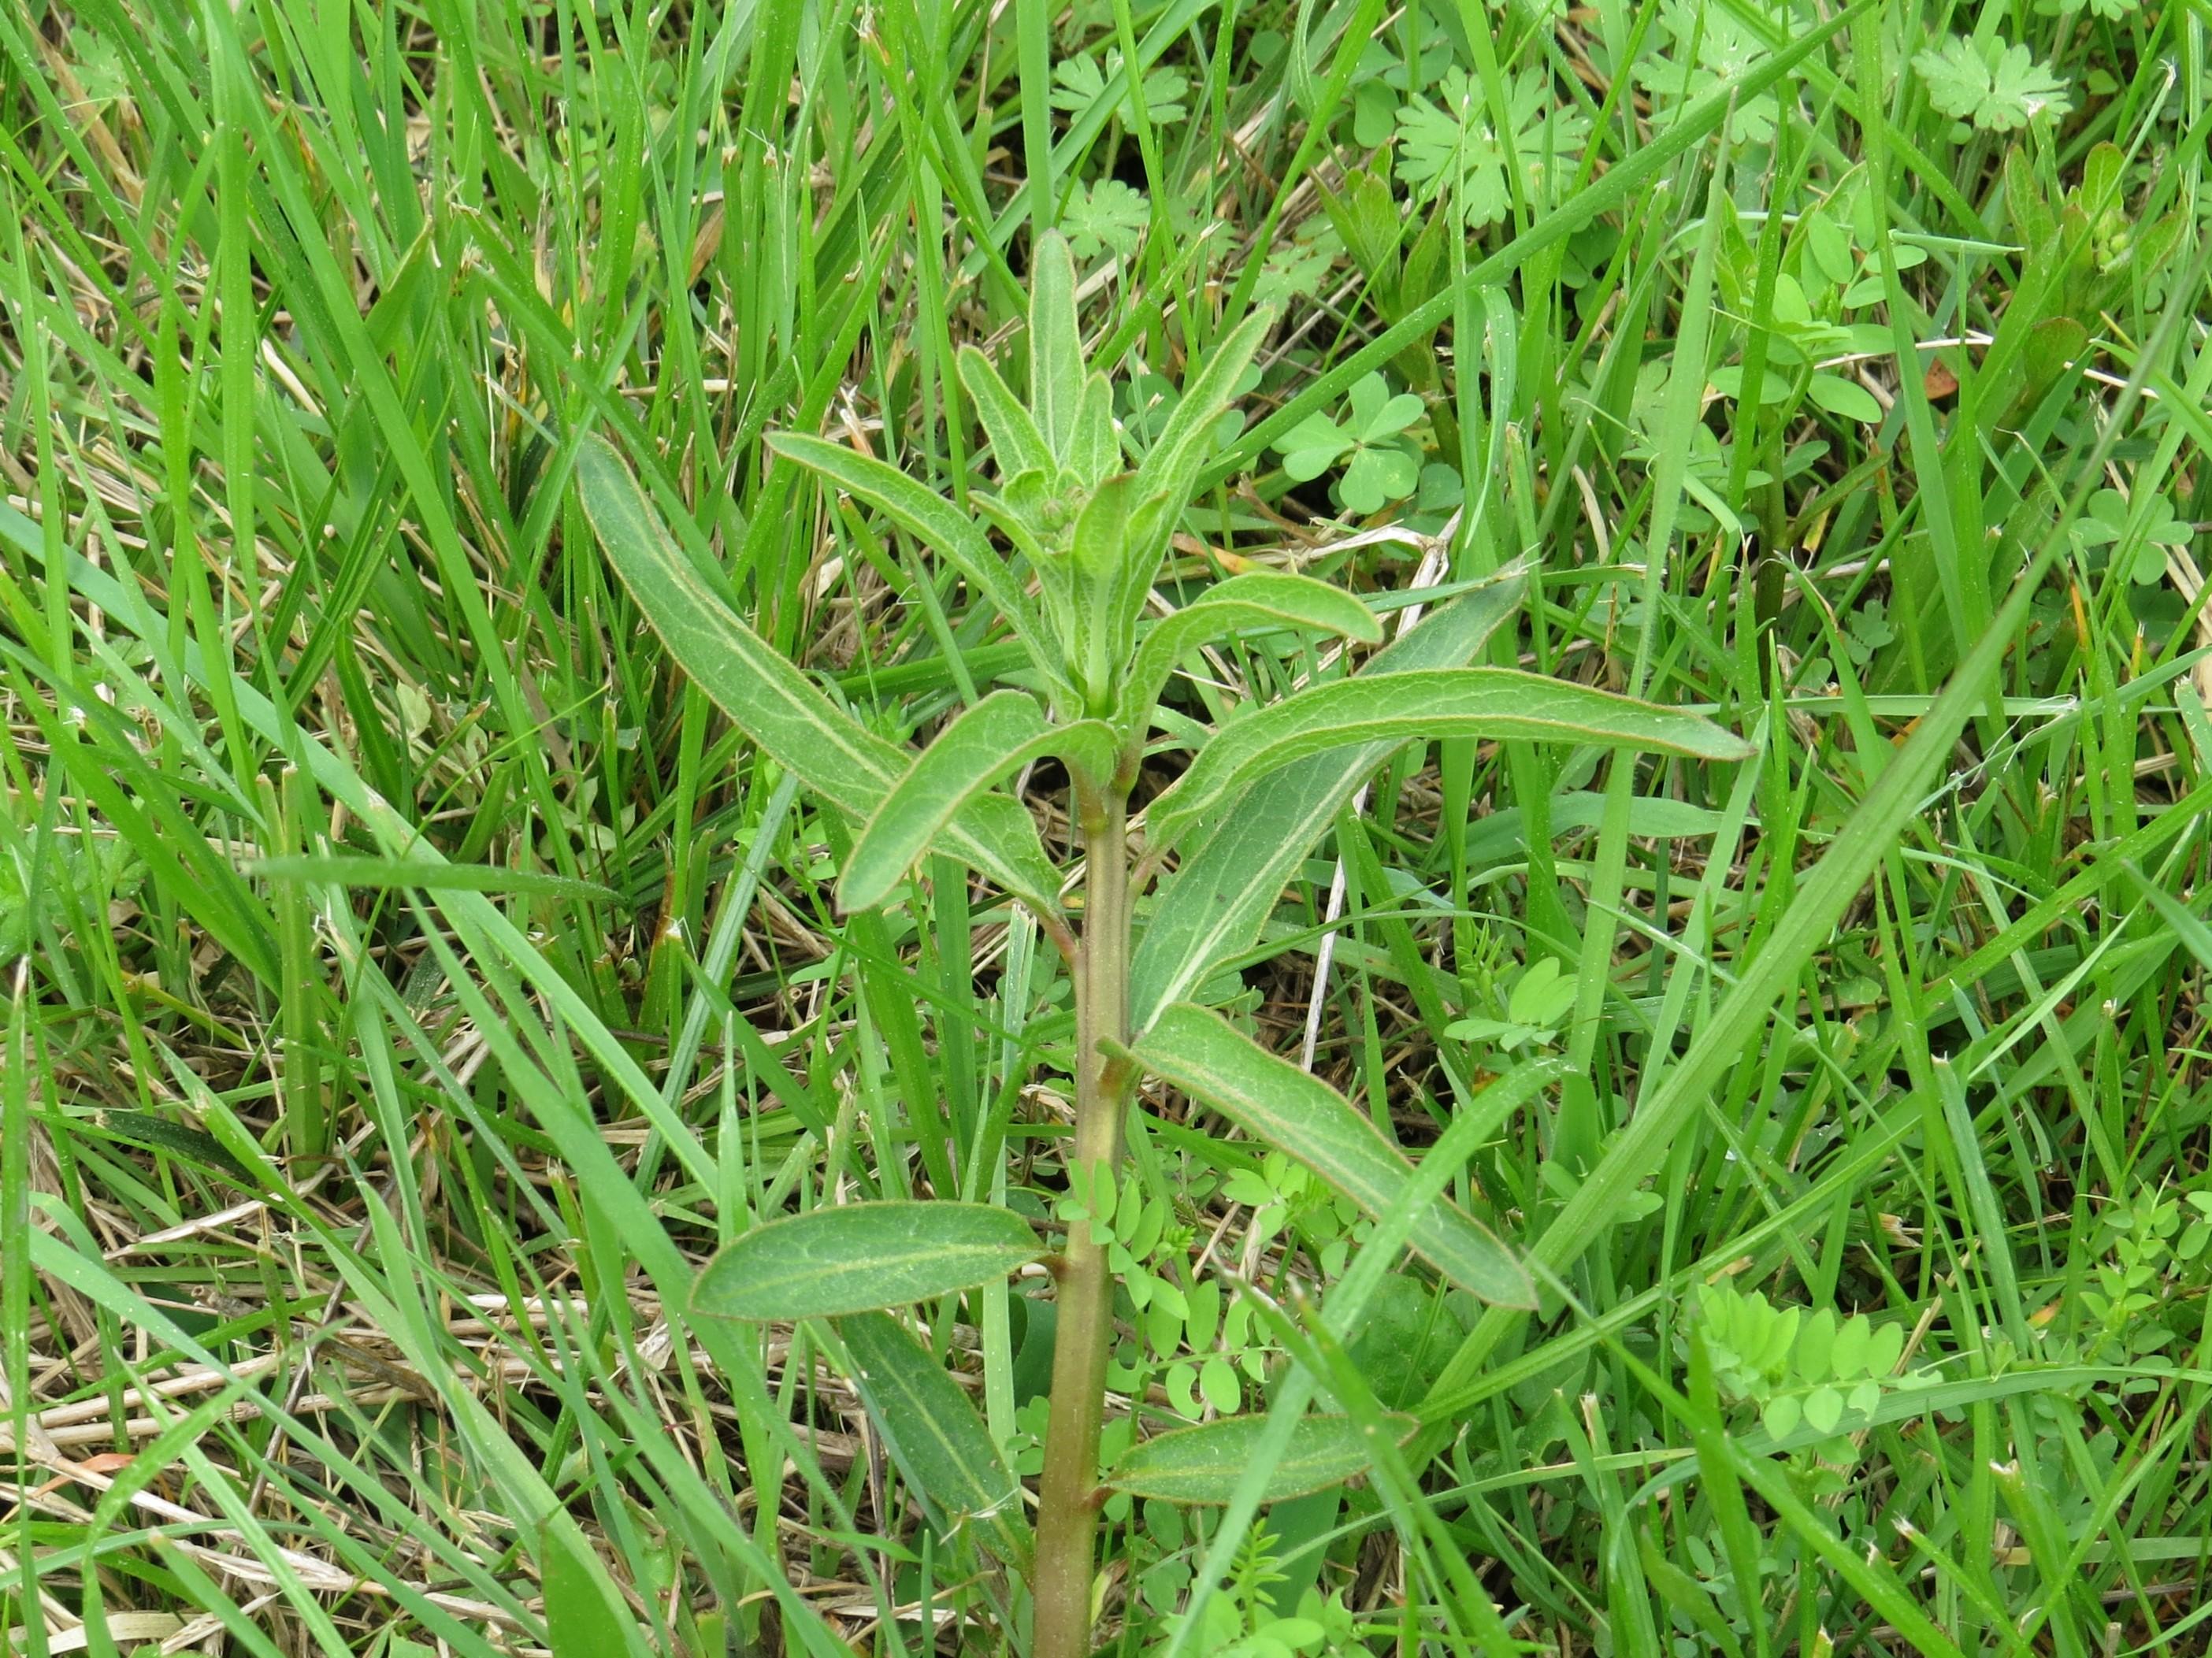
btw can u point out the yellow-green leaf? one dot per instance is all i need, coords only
(934, 1433)
(1303, 1117)
(1204, 1464)
(1481, 702)
(858, 1257)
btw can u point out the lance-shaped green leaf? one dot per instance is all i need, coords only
(934, 1436)
(1482, 702)
(1024, 510)
(585, 1616)
(930, 518)
(1170, 468)
(1204, 1464)
(1095, 449)
(1099, 548)
(771, 701)
(1171, 465)
(1259, 599)
(988, 743)
(1303, 1117)
(858, 1257)
(1016, 443)
(1216, 904)
(1056, 377)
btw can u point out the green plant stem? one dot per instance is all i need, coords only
(1067, 1510)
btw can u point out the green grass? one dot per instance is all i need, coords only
(412, 979)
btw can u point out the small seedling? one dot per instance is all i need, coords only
(1088, 534)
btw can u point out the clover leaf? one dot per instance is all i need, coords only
(1382, 466)
(2106, 522)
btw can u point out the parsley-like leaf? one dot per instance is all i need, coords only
(1453, 144)
(1107, 216)
(1995, 87)
(1081, 83)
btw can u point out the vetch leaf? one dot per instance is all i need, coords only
(991, 741)
(1846, 398)
(1782, 1414)
(1847, 1356)
(1203, 1464)
(934, 1433)
(858, 1257)
(1303, 1117)
(1486, 702)
(1823, 1409)
(771, 701)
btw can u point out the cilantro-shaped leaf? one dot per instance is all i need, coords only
(1868, 631)
(1995, 86)
(1109, 216)
(1382, 466)
(1297, 268)
(1453, 144)
(1081, 83)
(1709, 50)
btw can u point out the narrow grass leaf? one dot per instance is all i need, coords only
(1204, 1464)
(940, 1443)
(859, 1257)
(403, 873)
(1870, 831)
(1303, 1117)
